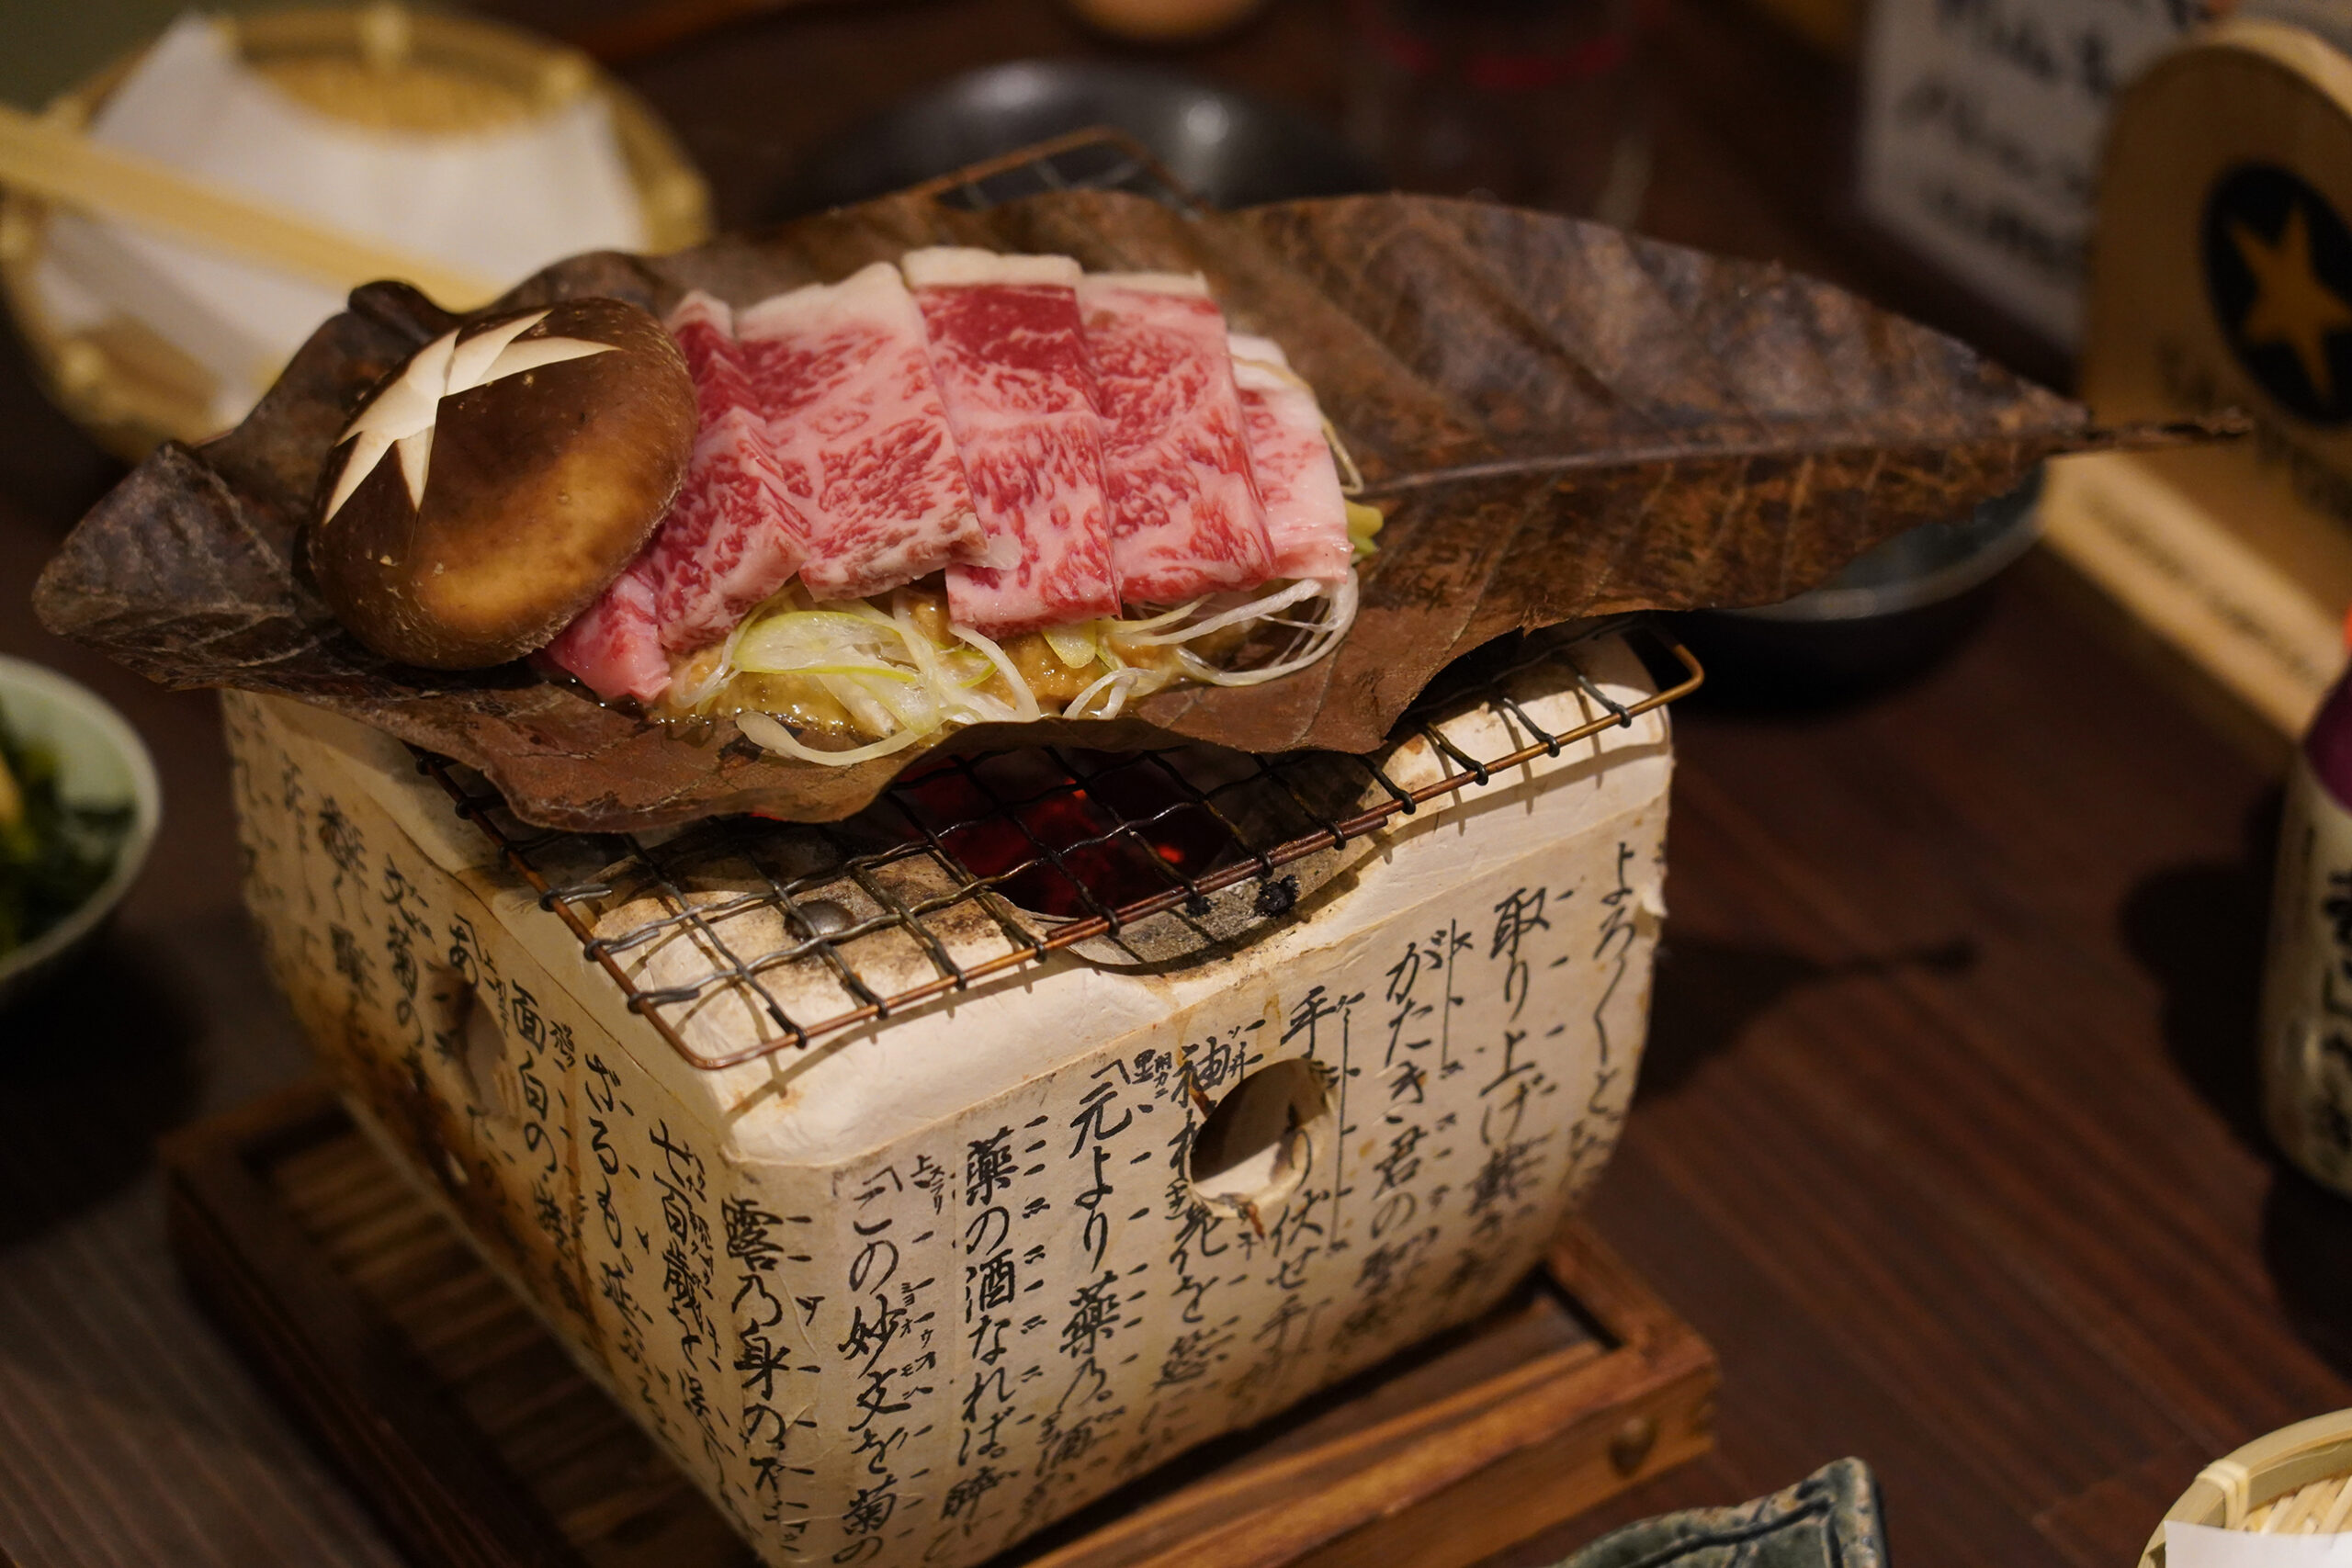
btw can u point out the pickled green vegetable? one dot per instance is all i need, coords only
(53, 853)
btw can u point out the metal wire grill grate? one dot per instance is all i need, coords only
(982, 864)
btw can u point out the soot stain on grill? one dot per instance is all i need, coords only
(427, 1125)
(741, 920)
(1278, 897)
(824, 917)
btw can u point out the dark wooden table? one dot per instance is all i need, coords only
(1945, 1139)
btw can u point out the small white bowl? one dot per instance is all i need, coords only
(100, 761)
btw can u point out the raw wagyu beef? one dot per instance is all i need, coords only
(615, 644)
(860, 435)
(734, 536)
(1306, 517)
(1008, 351)
(1185, 518)
(705, 328)
(1058, 446)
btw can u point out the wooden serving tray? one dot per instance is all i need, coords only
(480, 1443)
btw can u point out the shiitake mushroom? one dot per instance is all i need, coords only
(491, 487)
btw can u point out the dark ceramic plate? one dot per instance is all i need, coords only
(1229, 148)
(1889, 614)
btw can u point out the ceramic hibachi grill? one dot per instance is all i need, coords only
(918, 1179)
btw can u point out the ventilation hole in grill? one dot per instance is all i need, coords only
(1257, 1145)
(490, 1077)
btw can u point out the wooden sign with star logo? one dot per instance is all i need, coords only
(2279, 272)
(2222, 277)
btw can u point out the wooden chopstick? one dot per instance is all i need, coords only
(62, 164)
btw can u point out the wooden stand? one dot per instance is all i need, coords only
(480, 1443)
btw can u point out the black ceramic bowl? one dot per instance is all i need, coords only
(1887, 617)
(1230, 149)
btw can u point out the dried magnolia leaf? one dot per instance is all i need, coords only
(1564, 419)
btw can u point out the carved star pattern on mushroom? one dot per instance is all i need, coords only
(537, 452)
(402, 416)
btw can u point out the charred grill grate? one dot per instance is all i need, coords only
(978, 865)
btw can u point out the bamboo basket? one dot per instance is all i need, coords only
(381, 65)
(2295, 1481)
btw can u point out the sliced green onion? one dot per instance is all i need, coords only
(882, 671)
(1119, 685)
(1282, 598)
(1315, 646)
(1350, 477)
(894, 681)
(1025, 700)
(1076, 645)
(791, 639)
(1153, 623)
(771, 733)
